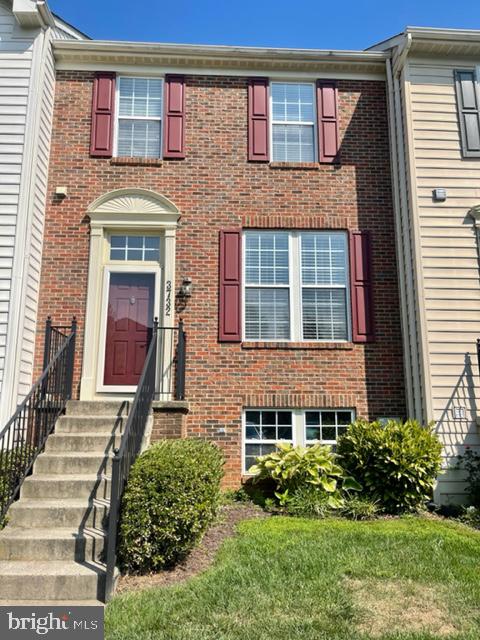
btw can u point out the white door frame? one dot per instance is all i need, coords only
(123, 211)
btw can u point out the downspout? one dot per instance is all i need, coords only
(397, 207)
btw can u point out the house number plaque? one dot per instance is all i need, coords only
(168, 297)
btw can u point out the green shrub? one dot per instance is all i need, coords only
(172, 495)
(470, 461)
(470, 516)
(294, 468)
(360, 507)
(396, 463)
(13, 463)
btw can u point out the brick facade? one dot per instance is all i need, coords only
(215, 188)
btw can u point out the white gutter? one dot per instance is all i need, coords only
(402, 55)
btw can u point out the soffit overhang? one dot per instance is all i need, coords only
(75, 54)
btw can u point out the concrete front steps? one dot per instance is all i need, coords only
(53, 548)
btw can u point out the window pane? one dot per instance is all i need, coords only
(324, 258)
(293, 102)
(134, 254)
(266, 258)
(117, 254)
(267, 314)
(139, 138)
(293, 143)
(152, 242)
(324, 314)
(118, 241)
(140, 97)
(135, 242)
(328, 433)
(276, 426)
(312, 433)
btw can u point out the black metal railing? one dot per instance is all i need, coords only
(170, 353)
(25, 434)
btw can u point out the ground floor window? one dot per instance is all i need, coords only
(263, 428)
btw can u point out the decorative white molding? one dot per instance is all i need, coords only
(140, 208)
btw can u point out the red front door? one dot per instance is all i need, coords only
(129, 324)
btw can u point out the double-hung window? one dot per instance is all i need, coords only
(296, 286)
(293, 116)
(139, 120)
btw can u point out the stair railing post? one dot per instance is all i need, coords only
(48, 340)
(180, 373)
(113, 527)
(71, 360)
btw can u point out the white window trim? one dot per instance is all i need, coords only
(155, 118)
(298, 428)
(295, 286)
(288, 122)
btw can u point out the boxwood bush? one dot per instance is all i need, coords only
(172, 495)
(395, 463)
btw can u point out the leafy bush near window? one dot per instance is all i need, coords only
(396, 463)
(172, 495)
(470, 461)
(307, 474)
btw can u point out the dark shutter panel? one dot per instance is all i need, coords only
(361, 287)
(174, 125)
(258, 120)
(230, 308)
(327, 110)
(468, 112)
(103, 107)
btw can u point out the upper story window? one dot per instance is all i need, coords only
(296, 286)
(139, 121)
(293, 122)
(144, 248)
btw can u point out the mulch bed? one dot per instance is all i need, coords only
(202, 556)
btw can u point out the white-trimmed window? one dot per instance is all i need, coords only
(139, 120)
(264, 428)
(293, 117)
(296, 286)
(144, 248)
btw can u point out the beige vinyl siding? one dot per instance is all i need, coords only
(449, 258)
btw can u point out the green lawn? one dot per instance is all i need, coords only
(288, 579)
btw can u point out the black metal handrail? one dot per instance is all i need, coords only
(132, 437)
(25, 434)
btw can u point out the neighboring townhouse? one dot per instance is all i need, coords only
(27, 80)
(247, 191)
(434, 100)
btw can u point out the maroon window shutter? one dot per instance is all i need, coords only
(230, 286)
(103, 108)
(327, 111)
(174, 125)
(361, 287)
(258, 120)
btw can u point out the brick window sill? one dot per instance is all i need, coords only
(338, 346)
(135, 162)
(312, 166)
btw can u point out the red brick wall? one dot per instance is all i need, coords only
(215, 187)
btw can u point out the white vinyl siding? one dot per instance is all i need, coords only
(27, 78)
(139, 123)
(264, 428)
(293, 116)
(296, 286)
